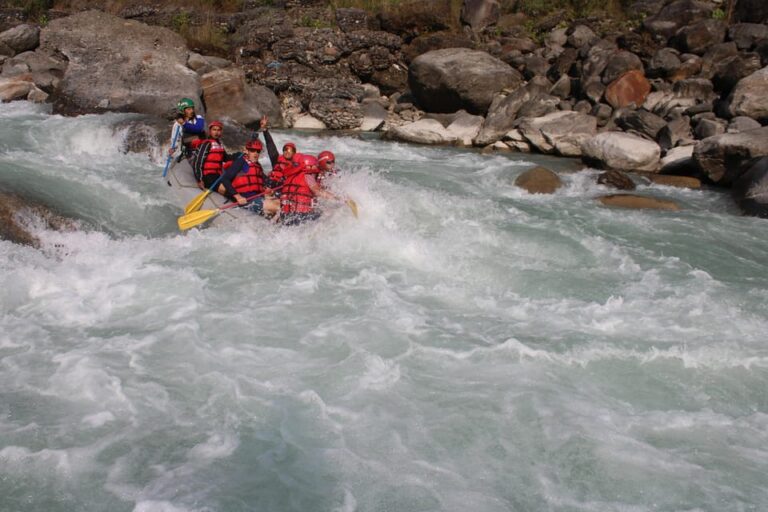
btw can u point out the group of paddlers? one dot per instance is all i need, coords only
(288, 194)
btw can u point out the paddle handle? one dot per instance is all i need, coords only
(176, 131)
(235, 203)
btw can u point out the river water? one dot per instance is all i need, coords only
(461, 346)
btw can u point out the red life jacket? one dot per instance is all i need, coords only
(214, 159)
(251, 181)
(296, 195)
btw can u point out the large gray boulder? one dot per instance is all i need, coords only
(229, 96)
(423, 131)
(118, 64)
(622, 151)
(458, 78)
(723, 158)
(750, 96)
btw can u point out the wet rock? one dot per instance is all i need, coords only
(616, 179)
(457, 78)
(16, 215)
(675, 181)
(539, 180)
(504, 110)
(751, 190)
(638, 202)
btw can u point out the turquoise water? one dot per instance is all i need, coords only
(462, 345)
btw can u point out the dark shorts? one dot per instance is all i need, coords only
(209, 179)
(294, 219)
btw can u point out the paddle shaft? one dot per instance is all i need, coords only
(176, 131)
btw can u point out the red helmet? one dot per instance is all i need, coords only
(254, 144)
(325, 160)
(289, 145)
(216, 123)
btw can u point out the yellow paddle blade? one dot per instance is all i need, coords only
(196, 218)
(352, 206)
(197, 202)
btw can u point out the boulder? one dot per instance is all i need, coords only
(631, 87)
(675, 132)
(750, 96)
(616, 179)
(619, 63)
(675, 15)
(638, 202)
(751, 190)
(307, 122)
(751, 11)
(423, 131)
(374, 116)
(539, 180)
(21, 38)
(465, 127)
(46, 70)
(503, 112)
(580, 35)
(623, 151)
(457, 78)
(148, 75)
(746, 35)
(561, 132)
(479, 14)
(641, 121)
(742, 124)
(229, 96)
(16, 87)
(675, 158)
(698, 37)
(723, 158)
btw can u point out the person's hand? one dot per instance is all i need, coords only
(171, 151)
(240, 200)
(263, 123)
(180, 119)
(268, 192)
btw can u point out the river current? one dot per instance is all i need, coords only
(461, 346)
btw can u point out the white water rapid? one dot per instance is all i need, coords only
(462, 346)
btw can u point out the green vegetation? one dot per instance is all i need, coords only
(718, 14)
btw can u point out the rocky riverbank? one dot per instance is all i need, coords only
(684, 92)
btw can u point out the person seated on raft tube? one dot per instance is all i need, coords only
(244, 178)
(192, 126)
(326, 162)
(209, 157)
(301, 190)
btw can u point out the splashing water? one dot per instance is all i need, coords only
(461, 346)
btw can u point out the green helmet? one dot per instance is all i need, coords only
(184, 103)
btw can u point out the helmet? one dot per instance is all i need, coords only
(184, 103)
(216, 123)
(254, 144)
(289, 145)
(324, 159)
(308, 162)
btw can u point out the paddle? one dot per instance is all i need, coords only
(176, 131)
(352, 206)
(196, 218)
(198, 201)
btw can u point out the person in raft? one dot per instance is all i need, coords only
(244, 181)
(209, 157)
(191, 124)
(298, 201)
